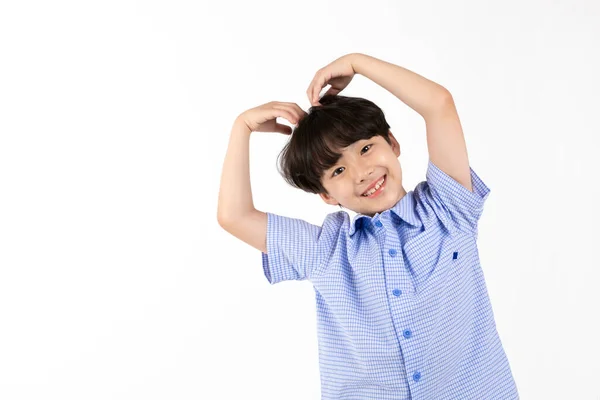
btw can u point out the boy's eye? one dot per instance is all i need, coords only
(334, 172)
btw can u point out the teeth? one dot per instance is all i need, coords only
(370, 192)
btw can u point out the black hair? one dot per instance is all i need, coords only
(317, 140)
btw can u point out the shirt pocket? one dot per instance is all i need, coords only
(428, 256)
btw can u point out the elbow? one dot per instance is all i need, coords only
(440, 101)
(222, 219)
(443, 96)
(226, 219)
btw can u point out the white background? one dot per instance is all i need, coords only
(116, 281)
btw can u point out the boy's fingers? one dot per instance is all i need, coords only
(316, 90)
(321, 83)
(301, 112)
(290, 115)
(313, 89)
(309, 94)
(284, 129)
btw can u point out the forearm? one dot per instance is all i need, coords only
(235, 193)
(416, 91)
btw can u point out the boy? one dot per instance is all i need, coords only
(403, 310)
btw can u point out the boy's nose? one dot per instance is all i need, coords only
(365, 176)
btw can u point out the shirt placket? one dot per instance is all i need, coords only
(401, 299)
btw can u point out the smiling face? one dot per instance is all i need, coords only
(363, 164)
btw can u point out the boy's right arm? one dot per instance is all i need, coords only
(296, 248)
(236, 213)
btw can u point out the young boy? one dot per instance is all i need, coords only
(402, 306)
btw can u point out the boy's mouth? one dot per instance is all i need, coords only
(377, 189)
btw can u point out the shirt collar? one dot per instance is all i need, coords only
(404, 208)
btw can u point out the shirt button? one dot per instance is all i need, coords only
(397, 292)
(407, 333)
(417, 376)
(378, 224)
(392, 252)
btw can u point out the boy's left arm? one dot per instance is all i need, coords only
(445, 138)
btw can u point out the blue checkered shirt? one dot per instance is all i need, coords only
(402, 306)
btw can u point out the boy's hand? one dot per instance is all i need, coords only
(263, 118)
(338, 74)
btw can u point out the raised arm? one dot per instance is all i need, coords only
(236, 213)
(445, 139)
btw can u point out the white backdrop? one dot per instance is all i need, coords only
(116, 281)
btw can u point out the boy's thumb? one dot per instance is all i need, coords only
(284, 128)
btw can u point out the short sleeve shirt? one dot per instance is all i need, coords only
(402, 306)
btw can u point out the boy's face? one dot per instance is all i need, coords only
(363, 163)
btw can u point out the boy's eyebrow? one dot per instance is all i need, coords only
(341, 151)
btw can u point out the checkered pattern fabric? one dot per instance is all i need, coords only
(402, 306)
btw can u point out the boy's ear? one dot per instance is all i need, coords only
(395, 144)
(328, 199)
